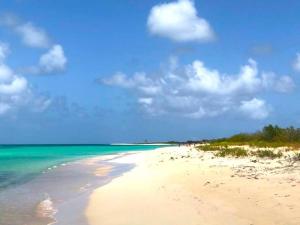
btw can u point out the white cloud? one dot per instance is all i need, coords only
(4, 50)
(179, 21)
(15, 92)
(10, 83)
(196, 91)
(15, 85)
(121, 80)
(30, 34)
(33, 36)
(296, 63)
(53, 61)
(146, 101)
(202, 79)
(283, 84)
(255, 108)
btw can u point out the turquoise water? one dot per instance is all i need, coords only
(20, 163)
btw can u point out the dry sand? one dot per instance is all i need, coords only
(182, 186)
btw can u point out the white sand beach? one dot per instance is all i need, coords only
(183, 186)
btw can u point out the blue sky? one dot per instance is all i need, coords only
(126, 71)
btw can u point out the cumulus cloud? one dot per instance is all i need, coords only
(255, 108)
(197, 91)
(296, 63)
(10, 83)
(283, 84)
(14, 85)
(15, 91)
(33, 36)
(30, 34)
(54, 60)
(179, 21)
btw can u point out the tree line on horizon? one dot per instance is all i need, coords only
(269, 133)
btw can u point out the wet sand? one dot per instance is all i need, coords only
(176, 186)
(60, 194)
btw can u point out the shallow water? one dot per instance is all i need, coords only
(54, 190)
(20, 163)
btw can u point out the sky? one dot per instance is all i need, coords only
(158, 70)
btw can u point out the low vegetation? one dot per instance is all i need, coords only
(234, 152)
(223, 151)
(209, 147)
(269, 136)
(297, 157)
(267, 154)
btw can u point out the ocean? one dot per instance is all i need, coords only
(39, 182)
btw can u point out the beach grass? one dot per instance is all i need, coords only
(223, 150)
(258, 144)
(209, 147)
(268, 154)
(269, 143)
(234, 152)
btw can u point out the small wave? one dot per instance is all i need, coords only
(50, 168)
(45, 210)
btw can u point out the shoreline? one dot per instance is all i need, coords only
(169, 185)
(179, 185)
(59, 194)
(58, 181)
(101, 171)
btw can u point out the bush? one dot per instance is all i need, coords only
(208, 148)
(236, 152)
(240, 138)
(269, 136)
(268, 154)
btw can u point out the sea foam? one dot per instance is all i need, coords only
(45, 209)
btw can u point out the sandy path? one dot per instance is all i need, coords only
(179, 186)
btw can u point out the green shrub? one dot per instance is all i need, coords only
(208, 148)
(268, 154)
(269, 136)
(235, 152)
